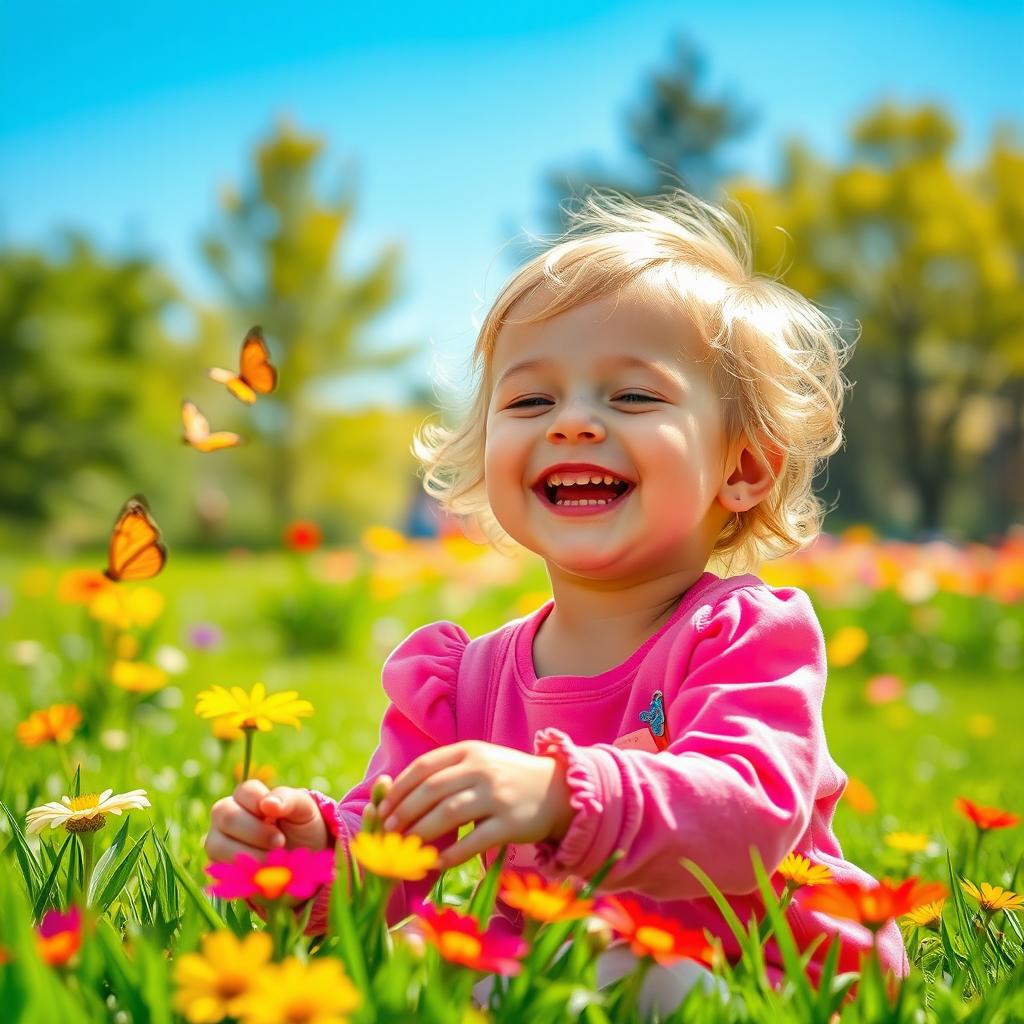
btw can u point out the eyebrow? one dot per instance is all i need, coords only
(632, 362)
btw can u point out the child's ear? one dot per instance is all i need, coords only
(748, 477)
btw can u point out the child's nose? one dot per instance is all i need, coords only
(577, 421)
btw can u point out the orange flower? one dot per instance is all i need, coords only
(457, 937)
(80, 586)
(859, 797)
(541, 900)
(55, 724)
(59, 936)
(303, 535)
(985, 817)
(660, 938)
(872, 905)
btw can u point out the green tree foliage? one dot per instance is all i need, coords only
(927, 257)
(76, 328)
(276, 253)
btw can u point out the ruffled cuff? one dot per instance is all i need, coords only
(570, 852)
(331, 813)
(336, 829)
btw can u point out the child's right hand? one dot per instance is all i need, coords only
(255, 819)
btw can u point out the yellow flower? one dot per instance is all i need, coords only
(846, 646)
(124, 609)
(393, 855)
(993, 897)
(318, 992)
(265, 772)
(226, 730)
(907, 842)
(927, 916)
(55, 724)
(382, 540)
(797, 870)
(212, 984)
(85, 813)
(253, 710)
(137, 677)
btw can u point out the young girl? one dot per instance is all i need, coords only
(647, 406)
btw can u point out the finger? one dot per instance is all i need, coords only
(248, 794)
(220, 847)
(449, 814)
(284, 803)
(488, 833)
(422, 768)
(425, 796)
(237, 823)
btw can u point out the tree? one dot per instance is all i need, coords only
(275, 254)
(928, 259)
(78, 332)
(676, 134)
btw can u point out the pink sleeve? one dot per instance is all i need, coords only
(419, 678)
(741, 768)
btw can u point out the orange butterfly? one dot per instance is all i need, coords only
(256, 374)
(136, 550)
(197, 431)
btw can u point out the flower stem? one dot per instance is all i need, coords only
(87, 839)
(248, 754)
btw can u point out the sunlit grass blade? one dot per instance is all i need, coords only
(119, 875)
(188, 883)
(43, 897)
(31, 869)
(105, 864)
(481, 906)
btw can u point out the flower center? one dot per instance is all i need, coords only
(544, 905)
(272, 881)
(84, 803)
(231, 985)
(459, 946)
(657, 940)
(300, 1010)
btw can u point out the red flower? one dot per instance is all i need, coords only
(59, 936)
(660, 938)
(875, 904)
(303, 535)
(457, 937)
(985, 817)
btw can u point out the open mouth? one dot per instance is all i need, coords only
(583, 495)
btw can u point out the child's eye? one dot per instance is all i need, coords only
(636, 395)
(525, 402)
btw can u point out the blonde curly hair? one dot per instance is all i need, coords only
(776, 359)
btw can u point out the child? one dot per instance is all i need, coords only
(646, 404)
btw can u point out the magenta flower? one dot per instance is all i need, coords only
(299, 873)
(205, 636)
(457, 937)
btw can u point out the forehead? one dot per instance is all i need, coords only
(628, 326)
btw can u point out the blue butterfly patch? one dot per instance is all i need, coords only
(654, 716)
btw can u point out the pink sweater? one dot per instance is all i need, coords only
(741, 667)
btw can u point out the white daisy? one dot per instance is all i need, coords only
(85, 813)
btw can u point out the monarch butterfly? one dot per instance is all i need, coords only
(197, 431)
(136, 551)
(256, 374)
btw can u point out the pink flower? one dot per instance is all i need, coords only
(59, 936)
(299, 873)
(457, 937)
(883, 689)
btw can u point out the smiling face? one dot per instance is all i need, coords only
(616, 388)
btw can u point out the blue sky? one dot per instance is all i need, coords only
(127, 119)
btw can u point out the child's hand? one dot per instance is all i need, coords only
(255, 819)
(513, 797)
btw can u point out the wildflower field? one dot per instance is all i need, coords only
(130, 708)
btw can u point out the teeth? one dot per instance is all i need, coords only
(571, 479)
(591, 501)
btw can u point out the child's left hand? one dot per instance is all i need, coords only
(513, 797)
